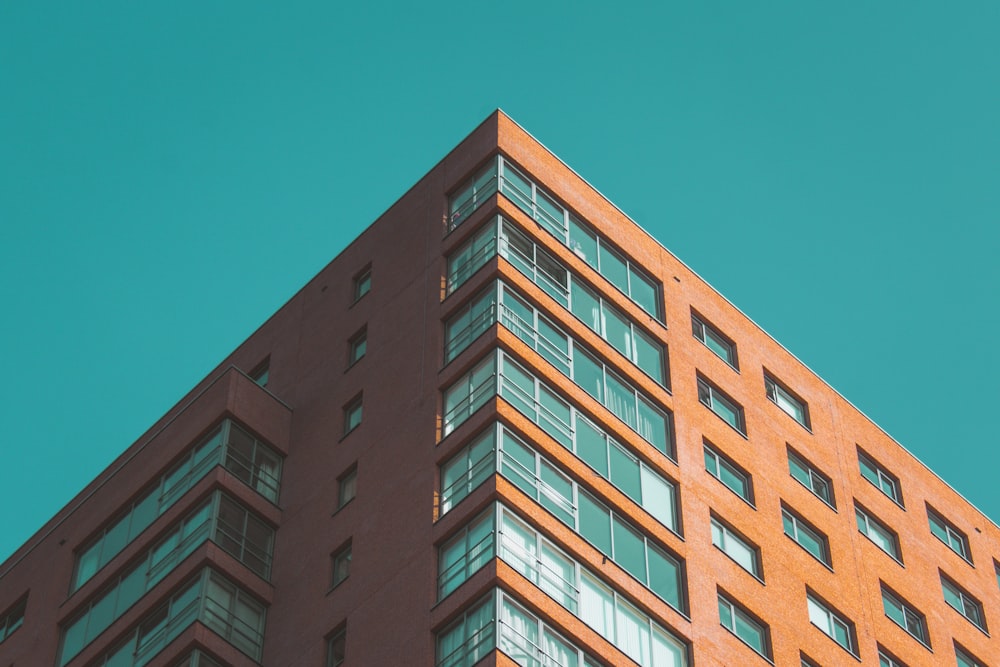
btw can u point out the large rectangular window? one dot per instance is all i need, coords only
(733, 477)
(905, 616)
(246, 457)
(747, 628)
(832, 623)
(790, 404)
(806, 536)
(219, 519)
(946, 531)
(726, 408)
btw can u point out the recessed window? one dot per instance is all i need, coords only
(352, 415)
(905, 616)
(945, 531)
(887, 659)
(13, 618)
(791, 404)
(833, 624)
(962, 602)
(261, 373)
(347, 487)
(724, 348)
(362, 283)
(731, 475)
(806, 661)
(810, 477)
(883, 480)
(876, 531)
(335, 648)
(342, 564)
(357, 346)
(965, 659)
(737, 547)
(806, 536)
(729, 410)
(747, 628)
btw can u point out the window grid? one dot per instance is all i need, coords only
(729, 474)
(832, 624)
(745, 627)
(743, 552)
(720, 345)
(905, 616)
(811, 478)
(789, 403)
(724, 407)
(884, 481)
(876, 531)
(962, 602)
(951, 536)
(806, 536)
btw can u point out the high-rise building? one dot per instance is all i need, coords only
(506, 426)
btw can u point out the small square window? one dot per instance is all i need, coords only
(883, 480)
(747, 628)
(832, 623)
(876, 531)
(352, 415)
(905, 616)
(741, 550)
(357, 346)
(722, 346)
(810, 477)
(342, 564)
(887, 659)
(731, 475)
(789, 403)
(261, 373)
(335, 648)
(806, 536)
(945, 531)
(726, 408)
(362, 283)
(965, 659)
(13, 618)
(963, 602)
(347, 487)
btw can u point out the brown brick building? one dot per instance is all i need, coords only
(506, 426)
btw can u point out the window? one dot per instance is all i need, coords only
(335, 648)
(724, 348)
(748, 629)
(732, 476)
(341, 564)
(945, 531)
(13, 618)
(352, 415)
(362, 283)
(198, 658)
(741, 550)
(963, 603)
(791, 404)
(347, 487)
(905, 616)
(965, 659)
(886, 482)
(730, 411)
(464, 554)
(261, 372)
(357, 346)
(806, 661)
(806, 536)
(876, 531)
(887, 659)
(811, 478)
(835, 626)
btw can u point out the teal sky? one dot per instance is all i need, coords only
(171, 173)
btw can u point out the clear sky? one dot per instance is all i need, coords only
(171, 173)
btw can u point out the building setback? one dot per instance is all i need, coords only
(506, 426)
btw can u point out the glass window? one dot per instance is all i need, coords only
(261, 373)
(876, 531)
(949, 534)
(730, 411)
(835, 626)
(965, 659)
(732, 476)
(905, 616)
(470, 638)
(810, 477)
(791, 404)
(465, 553)
(347, 487)
(886, 482)
(469, 393)
(352, 415)
(724, 348)
(748, 629)
(341, 564)
(887, 659)
(335, 648)
(806, 536)
(362, 283)
(357, 346)
(13, 618)
(465, 261)
(741, 550)
(962, 602)
(471, 194)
